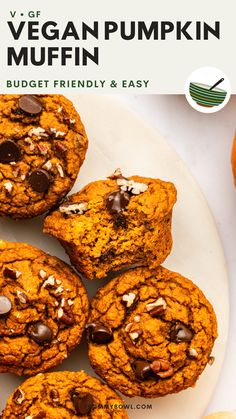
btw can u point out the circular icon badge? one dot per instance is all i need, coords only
(208, 90)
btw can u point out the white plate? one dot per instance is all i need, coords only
(118, 138)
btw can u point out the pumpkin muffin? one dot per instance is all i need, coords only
(43, 309)
(42, 147)
(66, 395)
(150, 333)
(114, 223)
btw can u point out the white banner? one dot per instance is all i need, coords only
(105, 46)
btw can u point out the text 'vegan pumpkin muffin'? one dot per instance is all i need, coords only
(64, 395)
(114, 223)
(150, 333)
(43, 309)
(42, 147)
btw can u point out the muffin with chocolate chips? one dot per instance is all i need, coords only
(64, 395)
(42, 147)
(150, 333)
(114, 223)
(43, 309)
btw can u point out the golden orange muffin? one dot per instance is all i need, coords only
(114, 223)
(64, 395)
(43, 309)
(150, 333)
(42, 147)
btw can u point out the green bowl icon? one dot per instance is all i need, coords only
(203, 96)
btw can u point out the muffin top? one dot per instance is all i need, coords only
(150, 333)
(42, 146)
(43, 309)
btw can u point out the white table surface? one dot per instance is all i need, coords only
(204, 142)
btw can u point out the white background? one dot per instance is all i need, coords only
(204, 142)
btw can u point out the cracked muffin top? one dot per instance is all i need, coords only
(150, 333)
(43, 309)
(64, 395)
(114, 223)
(42, 146)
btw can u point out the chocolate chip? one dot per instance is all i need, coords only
(180, 333)
(117, 201)
(5, 306)
(142, 369)
(18, 396)
(40, 333)
(83, 402)
(39, 180)
(99, 334)
(30, 105)
(9, 151)
(11, 273)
